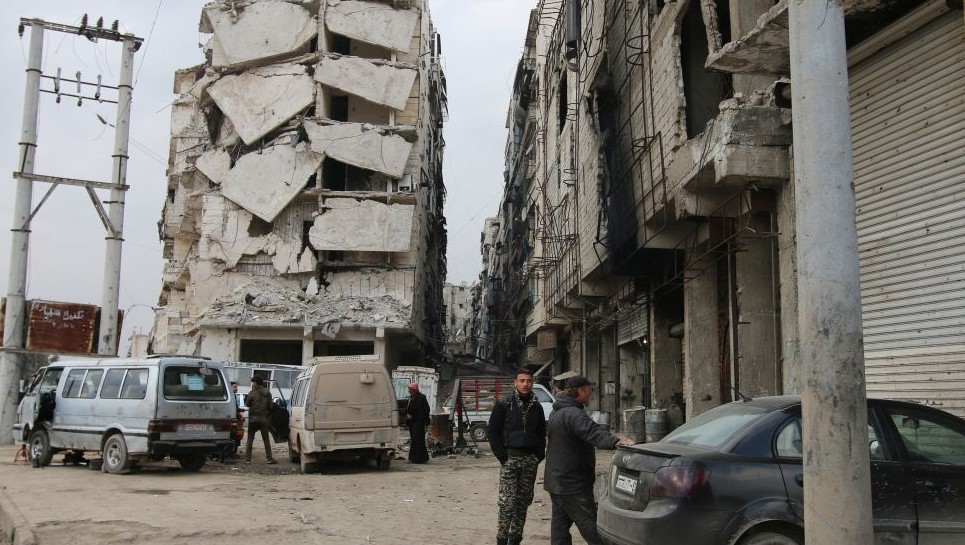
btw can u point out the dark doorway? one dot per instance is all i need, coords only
(344, 348)
(280, 352)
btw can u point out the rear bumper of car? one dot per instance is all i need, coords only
(663, 522)
(177, 448)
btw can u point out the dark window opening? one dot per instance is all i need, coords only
(564, 102)
(333, 255)
(703, 89)
(339, 108)
(306, 228)
(344, 348)
(264, 351)
(723, 20)
(258, 227)
(333, 175)
(171, 194)
(341, 44)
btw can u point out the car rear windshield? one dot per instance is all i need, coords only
(194, 384)
(713, 428)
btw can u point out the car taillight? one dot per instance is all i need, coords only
(161, 426)
(677, 482)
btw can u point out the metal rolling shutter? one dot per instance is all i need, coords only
(908, 120)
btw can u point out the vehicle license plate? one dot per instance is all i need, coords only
(626, 484)
(197, 427)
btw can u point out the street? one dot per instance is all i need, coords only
(449, 500)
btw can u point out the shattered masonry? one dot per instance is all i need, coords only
(305, 192)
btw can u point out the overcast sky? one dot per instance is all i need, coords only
(482, 42)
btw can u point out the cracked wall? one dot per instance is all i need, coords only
(305, 181)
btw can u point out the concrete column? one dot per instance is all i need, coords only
(701, 343)
(787, 264)
(666, 356)
(759, 366)
(14, 336)
(836, 456)
(743, 18)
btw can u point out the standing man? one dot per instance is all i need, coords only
(417, 417)
(259, 408)
(517, 435)
(571, 463)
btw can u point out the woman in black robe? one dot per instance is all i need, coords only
(417, 417)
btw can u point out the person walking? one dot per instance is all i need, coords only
(259, 408)
(517, 435)
(417, 418)
(571, 463)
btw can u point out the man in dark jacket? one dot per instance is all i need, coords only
(571, 463)
(259, 408)
(517, 435)
(417, 418)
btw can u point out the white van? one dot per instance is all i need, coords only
(343, 407)
(128, 409)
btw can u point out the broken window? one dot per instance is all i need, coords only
(271, 351)
(338, 176)
(341, 45)
(703, 89)
(344, 348)
(338, 108)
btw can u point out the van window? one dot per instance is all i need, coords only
(91, 382)
(301, 392)
(184, 382)
(542, 395)
(50, 380)
(112, 384)
(135, 384)
(75, 379)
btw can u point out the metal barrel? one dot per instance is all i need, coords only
(633, 423)
(656, 425)
(440, 428)
(602, 419)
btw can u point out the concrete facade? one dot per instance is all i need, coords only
(304, 210)
(648, 191)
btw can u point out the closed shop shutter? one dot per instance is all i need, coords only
(908, 123)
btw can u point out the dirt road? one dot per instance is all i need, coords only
(449, 500)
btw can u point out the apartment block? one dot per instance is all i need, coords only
(650, 201)
(305, 192)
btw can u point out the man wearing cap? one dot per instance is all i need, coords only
(571, 463)
(259, 409)
(517, 435)
(417, 418)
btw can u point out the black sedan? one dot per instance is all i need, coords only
(734, 475)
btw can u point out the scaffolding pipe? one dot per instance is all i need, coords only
(836, 476)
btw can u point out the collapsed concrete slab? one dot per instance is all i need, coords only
(373, 23)
(265, 182)
(257, 31)
(262, 99)
(380, 83)
(214, 164)
(359, 145)
(362, 226)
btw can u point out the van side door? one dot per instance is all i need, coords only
(297, 412)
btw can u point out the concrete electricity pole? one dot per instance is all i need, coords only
(14, 318)
(837, 483)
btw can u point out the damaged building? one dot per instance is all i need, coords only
(305, 192)
(649, 201)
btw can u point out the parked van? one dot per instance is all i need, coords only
(129, 410)
(343, 407)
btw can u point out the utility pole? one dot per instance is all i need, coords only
(837, 482)
(11, 364)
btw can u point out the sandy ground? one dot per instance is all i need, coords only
(451, 499)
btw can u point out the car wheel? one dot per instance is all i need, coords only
(40, 447)
(479, 432)
(116, 459)
(769, 538)
(383, 461)
(309, 464)
(191, 462)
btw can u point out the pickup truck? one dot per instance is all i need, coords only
(479, 395)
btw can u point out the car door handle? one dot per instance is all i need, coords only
(799, 479)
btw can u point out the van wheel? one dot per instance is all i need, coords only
(40, 447)
(383, 461)
(191, 462)
(293, 456)
(769, 538)
(479, 432)
(116, 459)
